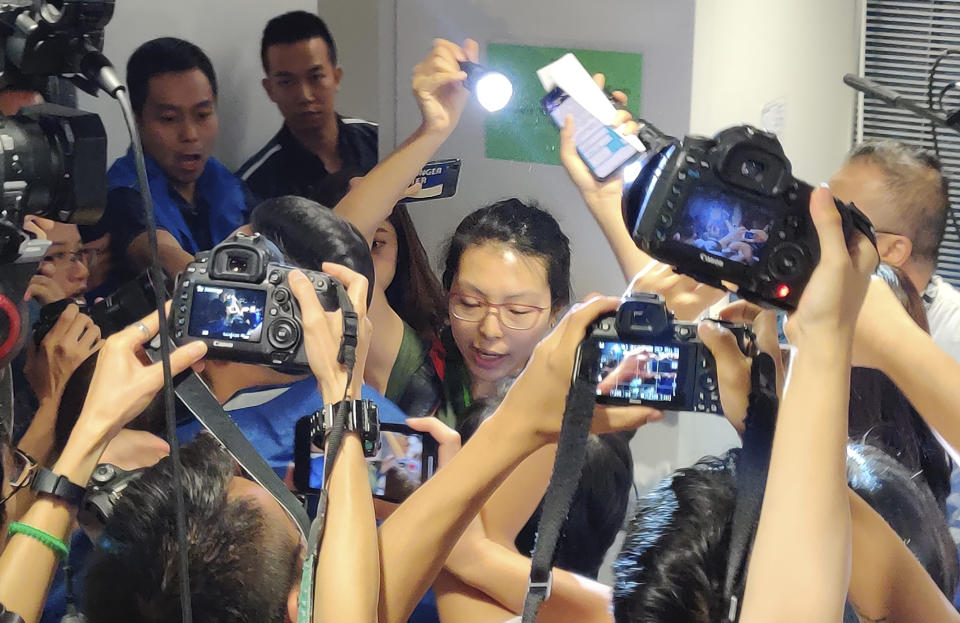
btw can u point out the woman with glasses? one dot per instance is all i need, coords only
(64, 270)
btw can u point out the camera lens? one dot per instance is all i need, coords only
(237, 264)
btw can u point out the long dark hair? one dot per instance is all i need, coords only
(527, 228)
(415, 292)
(881, 415)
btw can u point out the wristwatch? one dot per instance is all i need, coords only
(48, 483)
(362, 418)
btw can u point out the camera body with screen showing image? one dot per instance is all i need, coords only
(640, 355)
(728, 209)
(236, 298)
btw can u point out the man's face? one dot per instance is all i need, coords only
(64, 261)
(302, 82)
(179, 124)
(864, 184)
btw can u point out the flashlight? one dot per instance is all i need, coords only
(492, 88)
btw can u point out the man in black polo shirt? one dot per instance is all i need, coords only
(317, 151)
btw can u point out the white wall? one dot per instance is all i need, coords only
(748, 53)
(661, 31)
(354, 28)
(229, 32)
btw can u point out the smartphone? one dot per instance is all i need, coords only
(407, 458)
(603, 150)
(438, 179)
(748, 235)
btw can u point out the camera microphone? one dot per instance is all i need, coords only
(872, 89)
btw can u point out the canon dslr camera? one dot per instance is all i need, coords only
(640, 355)
(728, 209)
(236, 299)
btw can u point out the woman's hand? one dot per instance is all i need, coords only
(72, 339)
(124, 383)
(538, 396)
(438, 84)
(323, 331)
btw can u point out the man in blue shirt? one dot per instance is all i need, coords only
(197, 201)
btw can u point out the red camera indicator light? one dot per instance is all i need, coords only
(783, 291)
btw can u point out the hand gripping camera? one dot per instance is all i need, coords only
(728, 209)
(236, 298)
(640, 355)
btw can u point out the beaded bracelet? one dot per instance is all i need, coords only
(59, 547)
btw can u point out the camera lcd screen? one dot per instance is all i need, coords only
(639, 372)
(227, 313)
(724, 225)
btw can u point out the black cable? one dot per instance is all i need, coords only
(157, 277)
(931, 76)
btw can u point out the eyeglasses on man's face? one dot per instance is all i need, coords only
(22, 471)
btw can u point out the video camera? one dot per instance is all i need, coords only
(728, 209)
(640, 355)
(52, 159)
(236, 299)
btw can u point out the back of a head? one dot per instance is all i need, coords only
(598, 510)
(917, 189)
(309, 234)
(674, 557)
(525, 227)
(161, 56)
(294, 27)
(673, 563)
(906, 504)
(236, 573)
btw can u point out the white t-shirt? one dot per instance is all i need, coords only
(942, 301)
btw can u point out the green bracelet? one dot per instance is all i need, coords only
(59, 547)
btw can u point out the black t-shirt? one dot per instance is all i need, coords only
(285, 167)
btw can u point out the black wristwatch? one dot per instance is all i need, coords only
(48, 483)
(362, 418)
(9, 617)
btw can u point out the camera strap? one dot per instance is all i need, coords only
(751, 478)
(196, 396)
(567, 469)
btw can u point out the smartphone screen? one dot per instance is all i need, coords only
(602, 149)
(405, 461)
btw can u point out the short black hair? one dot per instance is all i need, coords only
(293, 27)
(241, 570)
(674, 559)
(308, 234)
(162, 56)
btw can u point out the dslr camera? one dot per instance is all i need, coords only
(237, 299)
(640, 355)
(728, 209)
(131, 302)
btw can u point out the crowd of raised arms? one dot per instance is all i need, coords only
(857, 509)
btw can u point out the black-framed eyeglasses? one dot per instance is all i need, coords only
(516, 316)
(23, 470)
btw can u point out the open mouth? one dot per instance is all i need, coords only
(487, 359)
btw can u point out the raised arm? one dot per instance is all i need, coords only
(889, 340)
(417, 538)
(805, 519)
(348, 561)
(438, 88)
(121, 388)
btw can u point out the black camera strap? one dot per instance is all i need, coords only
(751, 478)
(196, 396)
(567, 469)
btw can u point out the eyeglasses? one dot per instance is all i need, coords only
(512, 315)
(24, 469)
(83, 256)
